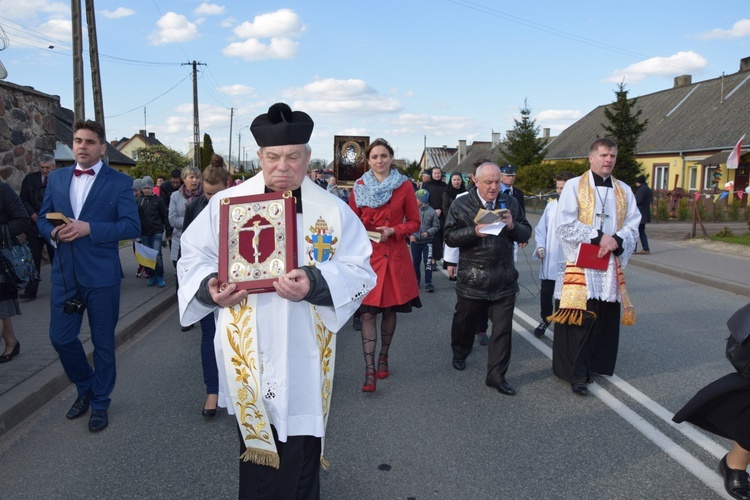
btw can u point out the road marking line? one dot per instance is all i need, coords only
(678, 453)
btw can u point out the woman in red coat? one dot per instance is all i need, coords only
(385, 203)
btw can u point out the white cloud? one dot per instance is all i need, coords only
(282, 23)
(117, 13)
(680, 63)
(237, 89)
(557, 115)
(437, 125)
(329, 95)
(208, 9)
(228, 22)
(255, 50)
(739, 29)
(173, 28)
(30, 9)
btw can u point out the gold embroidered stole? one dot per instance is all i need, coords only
(572, 310)
(238, 330)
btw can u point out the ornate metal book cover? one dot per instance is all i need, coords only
(257, 240)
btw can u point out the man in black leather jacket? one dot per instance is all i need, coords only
(487, 276)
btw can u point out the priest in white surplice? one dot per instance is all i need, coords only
(276, 350)
(593, 208)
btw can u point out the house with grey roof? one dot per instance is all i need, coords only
(692, 127)
(436, 157)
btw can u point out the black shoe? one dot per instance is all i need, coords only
(12, 354)
(98, 421)
(26, 296)
(357, 324)
(735, 481)
(541, 329)
(503, 388)
(459, 364)
(580, 388)
(208, 413)
(80, 407)
(186, 328)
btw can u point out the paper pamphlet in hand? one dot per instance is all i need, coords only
(492, 219)
(588, 257)
(375, 236)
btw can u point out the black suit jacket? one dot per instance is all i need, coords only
(32, 192)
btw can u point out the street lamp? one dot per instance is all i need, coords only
(239, 145)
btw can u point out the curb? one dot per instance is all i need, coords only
(36, 391)
(701, 279)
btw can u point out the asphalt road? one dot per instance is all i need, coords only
(429, 431)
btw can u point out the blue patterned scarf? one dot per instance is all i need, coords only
(368, 192)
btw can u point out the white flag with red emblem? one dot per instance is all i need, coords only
(734, 157)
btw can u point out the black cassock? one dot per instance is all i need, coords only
(722, 408)
(581, 351)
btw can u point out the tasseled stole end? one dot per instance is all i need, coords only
(628, 311)
(572, 310)
(261, 457)
(324, 463)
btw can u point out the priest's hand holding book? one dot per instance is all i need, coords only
(607, 244)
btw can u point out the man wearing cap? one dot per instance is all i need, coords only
(320, 180)
(282, 343)
(507, 179)
(643, 198)
(86, 273)
(154, 218)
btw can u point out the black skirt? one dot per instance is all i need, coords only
(722, 408)
(401, 308)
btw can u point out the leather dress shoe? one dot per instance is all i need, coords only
(459, 364)
(580, 388)
(80, 407)
(735, 481)
(98, 421)
(503, 388)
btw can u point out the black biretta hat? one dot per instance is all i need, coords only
(282, 126)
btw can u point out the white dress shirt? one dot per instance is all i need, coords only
(79, 188)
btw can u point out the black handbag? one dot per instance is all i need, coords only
(738, 343)
(17, 262)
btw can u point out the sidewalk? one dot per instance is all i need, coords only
(35, 376)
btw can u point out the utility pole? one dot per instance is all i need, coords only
(196, 126)
(79, 107)
(231, 121)
(96, 79)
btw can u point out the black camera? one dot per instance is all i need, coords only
(74, 306)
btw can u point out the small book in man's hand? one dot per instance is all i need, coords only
(485, 216)
(56, 218)
(588, 257)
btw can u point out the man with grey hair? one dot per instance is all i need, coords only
(282, 341)
(32, 194)
(487, 277)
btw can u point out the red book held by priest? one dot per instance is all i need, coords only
(588, 257)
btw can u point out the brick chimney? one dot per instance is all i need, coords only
(142, 132)
(461, 150)
(745, 64)
(683, 80)
(496, 138)
(545, 133)
(152, 135)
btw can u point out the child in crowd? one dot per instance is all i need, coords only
(421, 242)
(548, 251)
(154, 217)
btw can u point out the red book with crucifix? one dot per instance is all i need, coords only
(257, 240)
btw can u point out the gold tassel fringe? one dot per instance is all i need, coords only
(571, 316)
(261, 457)
(324, 463)
(628, 316)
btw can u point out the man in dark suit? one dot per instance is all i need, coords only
(87, 273)
(507, 179)
(32, 194)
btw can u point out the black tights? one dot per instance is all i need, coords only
(370, 339)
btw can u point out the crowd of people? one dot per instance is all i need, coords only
(384, 225)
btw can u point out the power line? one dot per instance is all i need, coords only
(152, 100)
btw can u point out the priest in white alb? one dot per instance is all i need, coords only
(594, 208)
(276, 350)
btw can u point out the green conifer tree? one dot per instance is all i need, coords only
(522, 146)
(625, 129)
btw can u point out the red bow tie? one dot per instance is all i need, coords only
(78, 173)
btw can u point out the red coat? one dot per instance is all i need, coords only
(391, 260)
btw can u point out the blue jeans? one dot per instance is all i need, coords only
(644, 238)
(154, 241)
(421, 253)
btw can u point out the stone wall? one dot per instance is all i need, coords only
(27, 130)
